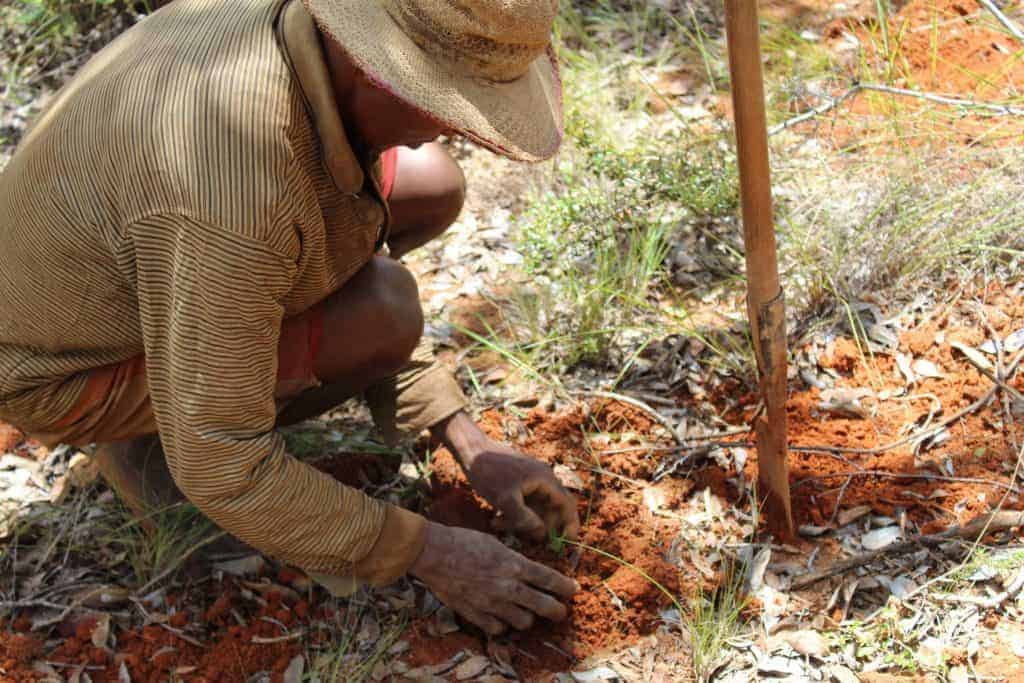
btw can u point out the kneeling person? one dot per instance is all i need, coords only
(193, 252)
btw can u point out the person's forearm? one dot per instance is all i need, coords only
(462, 436)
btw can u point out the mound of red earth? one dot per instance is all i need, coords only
(617, 603)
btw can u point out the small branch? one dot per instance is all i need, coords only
(259, 640)
(990, 523)
(1001, 109)
(833, 103)
(25, 604)
(814, 113)
(1003, 19)
(909, 475)
(636, 403)
(1011, 592)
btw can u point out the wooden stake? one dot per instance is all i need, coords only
(765, 301)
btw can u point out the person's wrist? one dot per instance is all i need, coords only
(463, 437)
(426, 555)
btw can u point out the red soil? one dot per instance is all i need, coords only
(617, 605)
(947, 47)
(614, 520)
(9, 437)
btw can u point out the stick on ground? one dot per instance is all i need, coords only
(1003, 520)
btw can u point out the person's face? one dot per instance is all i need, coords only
(383, 120)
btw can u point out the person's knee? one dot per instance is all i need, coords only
(428, 197)
(395, 301)
(452, 198)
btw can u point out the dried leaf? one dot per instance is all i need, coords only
(104, 596)
(101, 631)
(845, 402)
(780, 666)
(1014, 342)
(568, 478)
(840, 674)
(501, 657)
(807, 643)
(293, 674)
(472, 667)
(244, 566)
(925, 368)
(903, 363)
(973, 354)
(266, 589)
(654, 498)
(852, 514)
(758, 567)
(958, 674)
(899, 586)
(883, 335)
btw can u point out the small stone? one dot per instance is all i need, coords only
(881, 538)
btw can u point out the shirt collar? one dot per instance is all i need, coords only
(300, 43)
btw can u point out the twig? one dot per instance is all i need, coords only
(179, 561)
(998, 109)
(909, 475)
(1003, 19)
(25, 604)
(1011, 592)
(999, 376)
(989, 523)
(696, 441)
(636, 403)
(814, 113)
(259, 640)
(942, 99)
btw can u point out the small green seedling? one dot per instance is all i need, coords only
(556, 542)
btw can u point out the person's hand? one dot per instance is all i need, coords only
(530, 498)
(525, 491)
(487, 583)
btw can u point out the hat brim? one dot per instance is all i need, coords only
(521, 119)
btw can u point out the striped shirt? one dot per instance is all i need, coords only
(180, 198)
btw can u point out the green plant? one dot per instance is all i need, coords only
(715, 618)
(153, 544)
(556, 542)
(595, 246)
(350, 659)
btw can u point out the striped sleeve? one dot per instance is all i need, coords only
(211, 316)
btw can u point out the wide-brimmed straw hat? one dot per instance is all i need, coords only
(485, 68)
